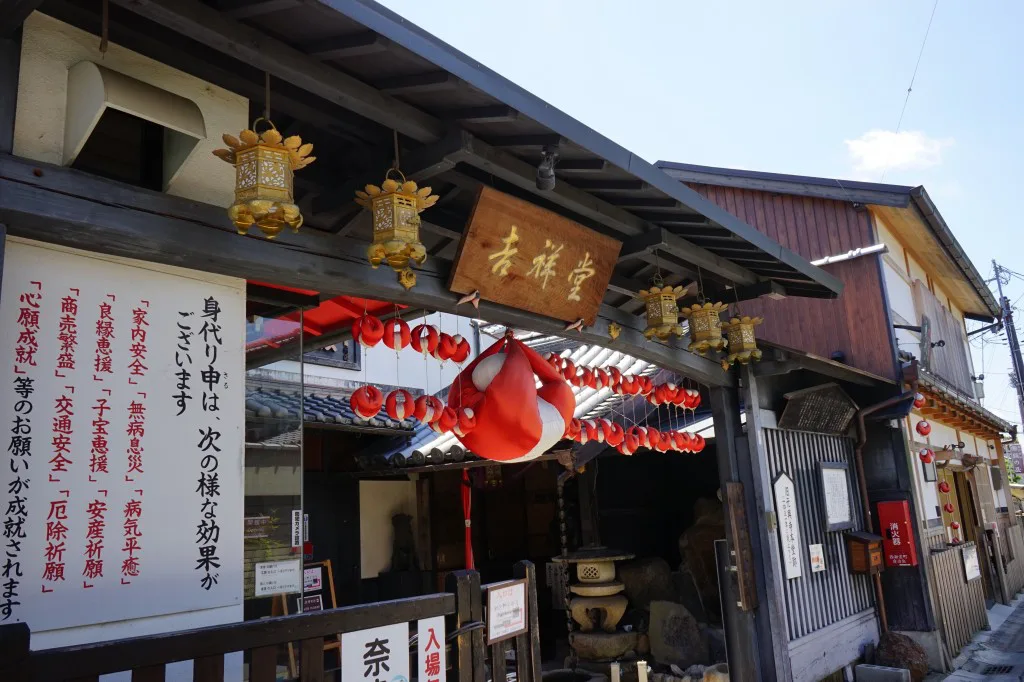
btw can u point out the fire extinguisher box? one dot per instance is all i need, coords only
(897, 533)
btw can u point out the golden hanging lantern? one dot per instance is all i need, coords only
(264, 164)
(705, 327)
(662, 311)
(742, 343)
(396, 207)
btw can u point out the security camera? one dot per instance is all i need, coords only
(546, 168)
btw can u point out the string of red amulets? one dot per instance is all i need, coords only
(396, 334)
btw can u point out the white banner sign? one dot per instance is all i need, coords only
(376, 655)
(789, 525)
(122, 391)
(430, 649)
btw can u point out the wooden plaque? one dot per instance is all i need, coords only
(523, 256)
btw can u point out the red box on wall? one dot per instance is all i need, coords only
(897, 533)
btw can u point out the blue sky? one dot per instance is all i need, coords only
(805, 87)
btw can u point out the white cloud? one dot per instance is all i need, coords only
(877, 151)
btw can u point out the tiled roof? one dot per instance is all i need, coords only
(319, 407)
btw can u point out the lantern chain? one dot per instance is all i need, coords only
(564, 564)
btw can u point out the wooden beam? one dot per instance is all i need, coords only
(641, 202)
(209, 27)
(13, 14)
(419, 82)
(659, 239)
(497, 113)
(246, 9)
(542, 140)
(581, 165)
(63, 206)
(264, 294)
(624, 185)
(10, 66)
(419, 164)
(351, 45)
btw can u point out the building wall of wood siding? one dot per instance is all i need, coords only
(854, 324)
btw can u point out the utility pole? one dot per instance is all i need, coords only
(1011, 337)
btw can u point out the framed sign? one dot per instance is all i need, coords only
(312, 602)
(972, 569)
(278, 577)
(506, 610)
(789, 525)
(835, 489)
(312, 579)
(523, 256)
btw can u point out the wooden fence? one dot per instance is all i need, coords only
(961, 602)
(263, 642)
(1012, 549)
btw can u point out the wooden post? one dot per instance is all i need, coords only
(741, 634)
(10, 65)
(772, 632)
(476, 612)
(463, 584)
(528, 657)
(14, 652)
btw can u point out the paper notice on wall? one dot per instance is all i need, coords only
(122, 387)
(277, 577)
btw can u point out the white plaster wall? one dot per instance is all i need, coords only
(378, 502)
(50, 47)
(928, 497)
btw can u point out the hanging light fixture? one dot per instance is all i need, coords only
(395, 207)
(264, 164)
(739, 332)
(705, 327)
(662, 310)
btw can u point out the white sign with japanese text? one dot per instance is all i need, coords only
(296, 528)
(789, 525)
(430, 649)
(376, 655)
(122, 390)
(836, 484)
(277, 577)
(506, 610)
(972, 569)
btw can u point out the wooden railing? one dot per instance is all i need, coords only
(961, 602)
(263, 640)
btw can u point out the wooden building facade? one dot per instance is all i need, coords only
(908, 291)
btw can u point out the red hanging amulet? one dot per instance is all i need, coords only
(396, 334)
(948, 507)
(428, 409)
(424, 339)
(919, 401)
(923, 427)
(400, 405)
(446, 347)
(943, 487)
(462, 350)
(367, 330)
(366, 401)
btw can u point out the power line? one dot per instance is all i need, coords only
(913, 77)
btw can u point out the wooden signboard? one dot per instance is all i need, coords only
(523, 256)
(819, 409)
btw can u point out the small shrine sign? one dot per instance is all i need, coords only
(523, 256)
(789, 525)
(819, 409)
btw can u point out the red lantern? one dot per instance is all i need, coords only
(396, 334)
(367, 330)
(400, 405)
(926, 455)
(943, 487)
(428, 409)
(446, 347)
(516, 420)
(919, 400)
(424, 339)
(366, 401)
(948, 507)
(923, 427)
(462, 350)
